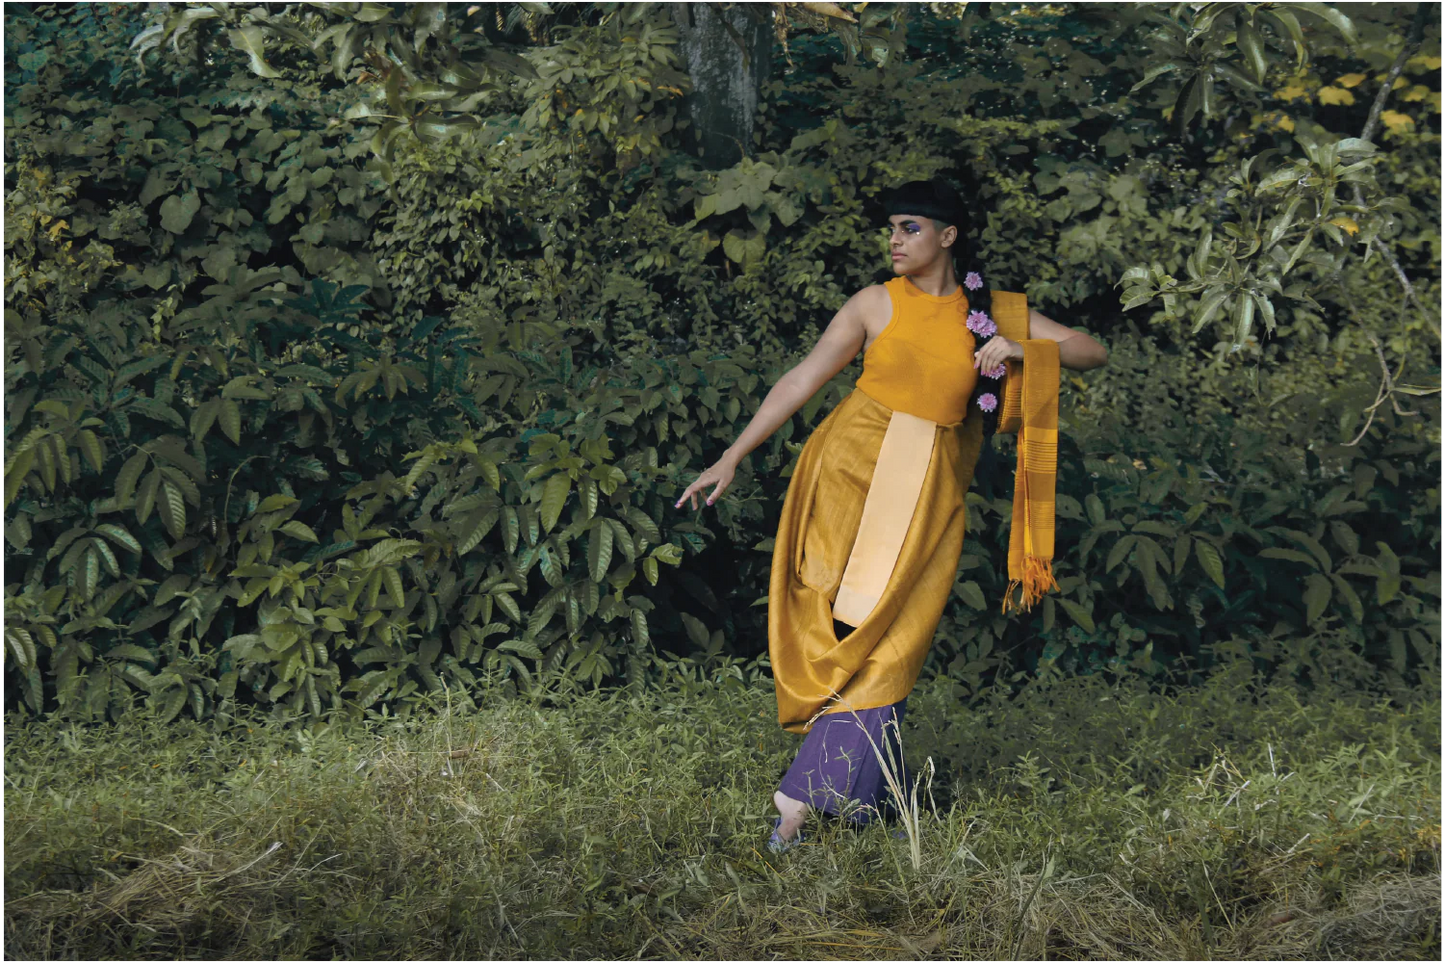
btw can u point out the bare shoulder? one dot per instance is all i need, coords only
(872, 305)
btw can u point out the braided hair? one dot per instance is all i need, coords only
(939, 201)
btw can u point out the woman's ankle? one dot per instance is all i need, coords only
(793, 813)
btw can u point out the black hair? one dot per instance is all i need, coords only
(940, 201)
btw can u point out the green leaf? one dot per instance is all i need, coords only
(522, 647)
(152, 408)
(599, 551)
(474, 528)
(1188, 103)
(1081, 616)
(1209, 560)
(91, 447)
(1252, 46)
(229, 414)
(298, 530)
(249, 40)
(1317, 596)
(178, 210)
(204, 417)
(554, 496)
(274, 503)
(640, 636)
(1120, 551)
(173, 510)
(971, 594)
(1289, 555)
(1209, 308)
(145, 498)
(134, 653)
(393, 586)
(129, 474)
(120, 536)
(1331, 16)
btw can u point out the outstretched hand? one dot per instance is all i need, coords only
(720, 476)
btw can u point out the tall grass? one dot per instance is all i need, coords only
(1073, 820)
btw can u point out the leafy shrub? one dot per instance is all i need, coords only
(287, 428)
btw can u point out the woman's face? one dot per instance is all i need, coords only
(915, 243)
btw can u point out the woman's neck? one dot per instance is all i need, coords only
(936, 279)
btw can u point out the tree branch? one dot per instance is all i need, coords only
(1413, 39)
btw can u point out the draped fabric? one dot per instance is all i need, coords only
(889, 570)
(878, 662)
(1031, 540)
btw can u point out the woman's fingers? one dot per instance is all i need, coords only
(718, 479)
(993, 354)
(690, 493)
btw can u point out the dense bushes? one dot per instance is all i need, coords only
(284, 429)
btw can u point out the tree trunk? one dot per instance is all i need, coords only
(727, 78)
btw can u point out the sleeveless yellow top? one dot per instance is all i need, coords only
(922, 363)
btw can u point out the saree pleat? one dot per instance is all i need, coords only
(878, 662)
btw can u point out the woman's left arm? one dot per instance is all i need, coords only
(1076, 349)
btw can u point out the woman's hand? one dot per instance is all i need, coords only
(720, 475)
(998, 350)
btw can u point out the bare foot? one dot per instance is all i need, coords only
(793, 811)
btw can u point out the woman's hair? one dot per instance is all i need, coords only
(940, 202)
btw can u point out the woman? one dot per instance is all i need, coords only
(872, 525)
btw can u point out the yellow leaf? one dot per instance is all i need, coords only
(1346, 224)
(1396, 121)
(1399, 82)
(1336, 95)
(1415, 94)
(1424, 62)
(1434, 100)
(1292, 92)
(1351, 80)
(1275, 120)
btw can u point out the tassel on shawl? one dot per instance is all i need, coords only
(1038, 579)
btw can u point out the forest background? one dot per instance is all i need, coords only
(355, 354)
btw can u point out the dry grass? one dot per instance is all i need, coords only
(632, 825)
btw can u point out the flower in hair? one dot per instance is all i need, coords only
(981, 324)
(988, 401)
(973, 280)
(998, 371)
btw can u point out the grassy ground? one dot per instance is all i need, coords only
(1076, 820)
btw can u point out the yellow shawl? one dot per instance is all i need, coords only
(1031, 407)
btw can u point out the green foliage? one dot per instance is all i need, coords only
(1192, 531)
(291, 426)
(588, 824)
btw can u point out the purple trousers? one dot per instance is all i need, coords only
(838, 770)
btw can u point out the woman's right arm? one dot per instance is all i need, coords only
(838, 345)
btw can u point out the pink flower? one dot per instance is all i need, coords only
(972, 280)
(997, 372)
(981, 324)
(987, 401)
